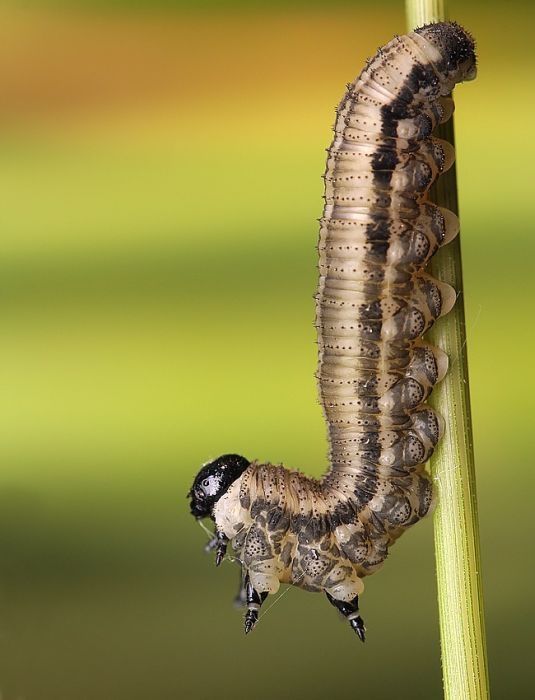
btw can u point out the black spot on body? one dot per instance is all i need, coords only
(259, 506)
(423, 79)
(277, 519)
(371, 310)
(379, 251)
(383, 162)
(342, 514)
(378, 230)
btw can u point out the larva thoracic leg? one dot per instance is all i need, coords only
(351, 612)
(253, 600)
(374, 302)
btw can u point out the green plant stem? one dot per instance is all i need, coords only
(462, 629)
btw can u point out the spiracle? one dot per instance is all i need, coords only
(375, 372)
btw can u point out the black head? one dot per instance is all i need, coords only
(212, 482)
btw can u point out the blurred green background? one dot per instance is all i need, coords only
(160, 172)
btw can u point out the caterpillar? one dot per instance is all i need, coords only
(375, 372)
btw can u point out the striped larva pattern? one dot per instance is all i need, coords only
(374, 303)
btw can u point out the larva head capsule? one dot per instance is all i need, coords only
(212, 482)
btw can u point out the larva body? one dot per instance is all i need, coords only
(374, 303)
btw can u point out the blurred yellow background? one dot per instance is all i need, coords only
(160, 179)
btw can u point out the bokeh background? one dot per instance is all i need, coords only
(160, 172)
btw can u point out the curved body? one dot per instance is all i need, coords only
(374, 303)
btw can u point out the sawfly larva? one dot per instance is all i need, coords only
(374, 303)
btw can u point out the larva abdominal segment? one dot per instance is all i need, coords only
(374, 302)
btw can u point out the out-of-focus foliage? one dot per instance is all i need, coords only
(160, 179)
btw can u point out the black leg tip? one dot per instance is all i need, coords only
(251, 618)
(358, 626)
(221, 550)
